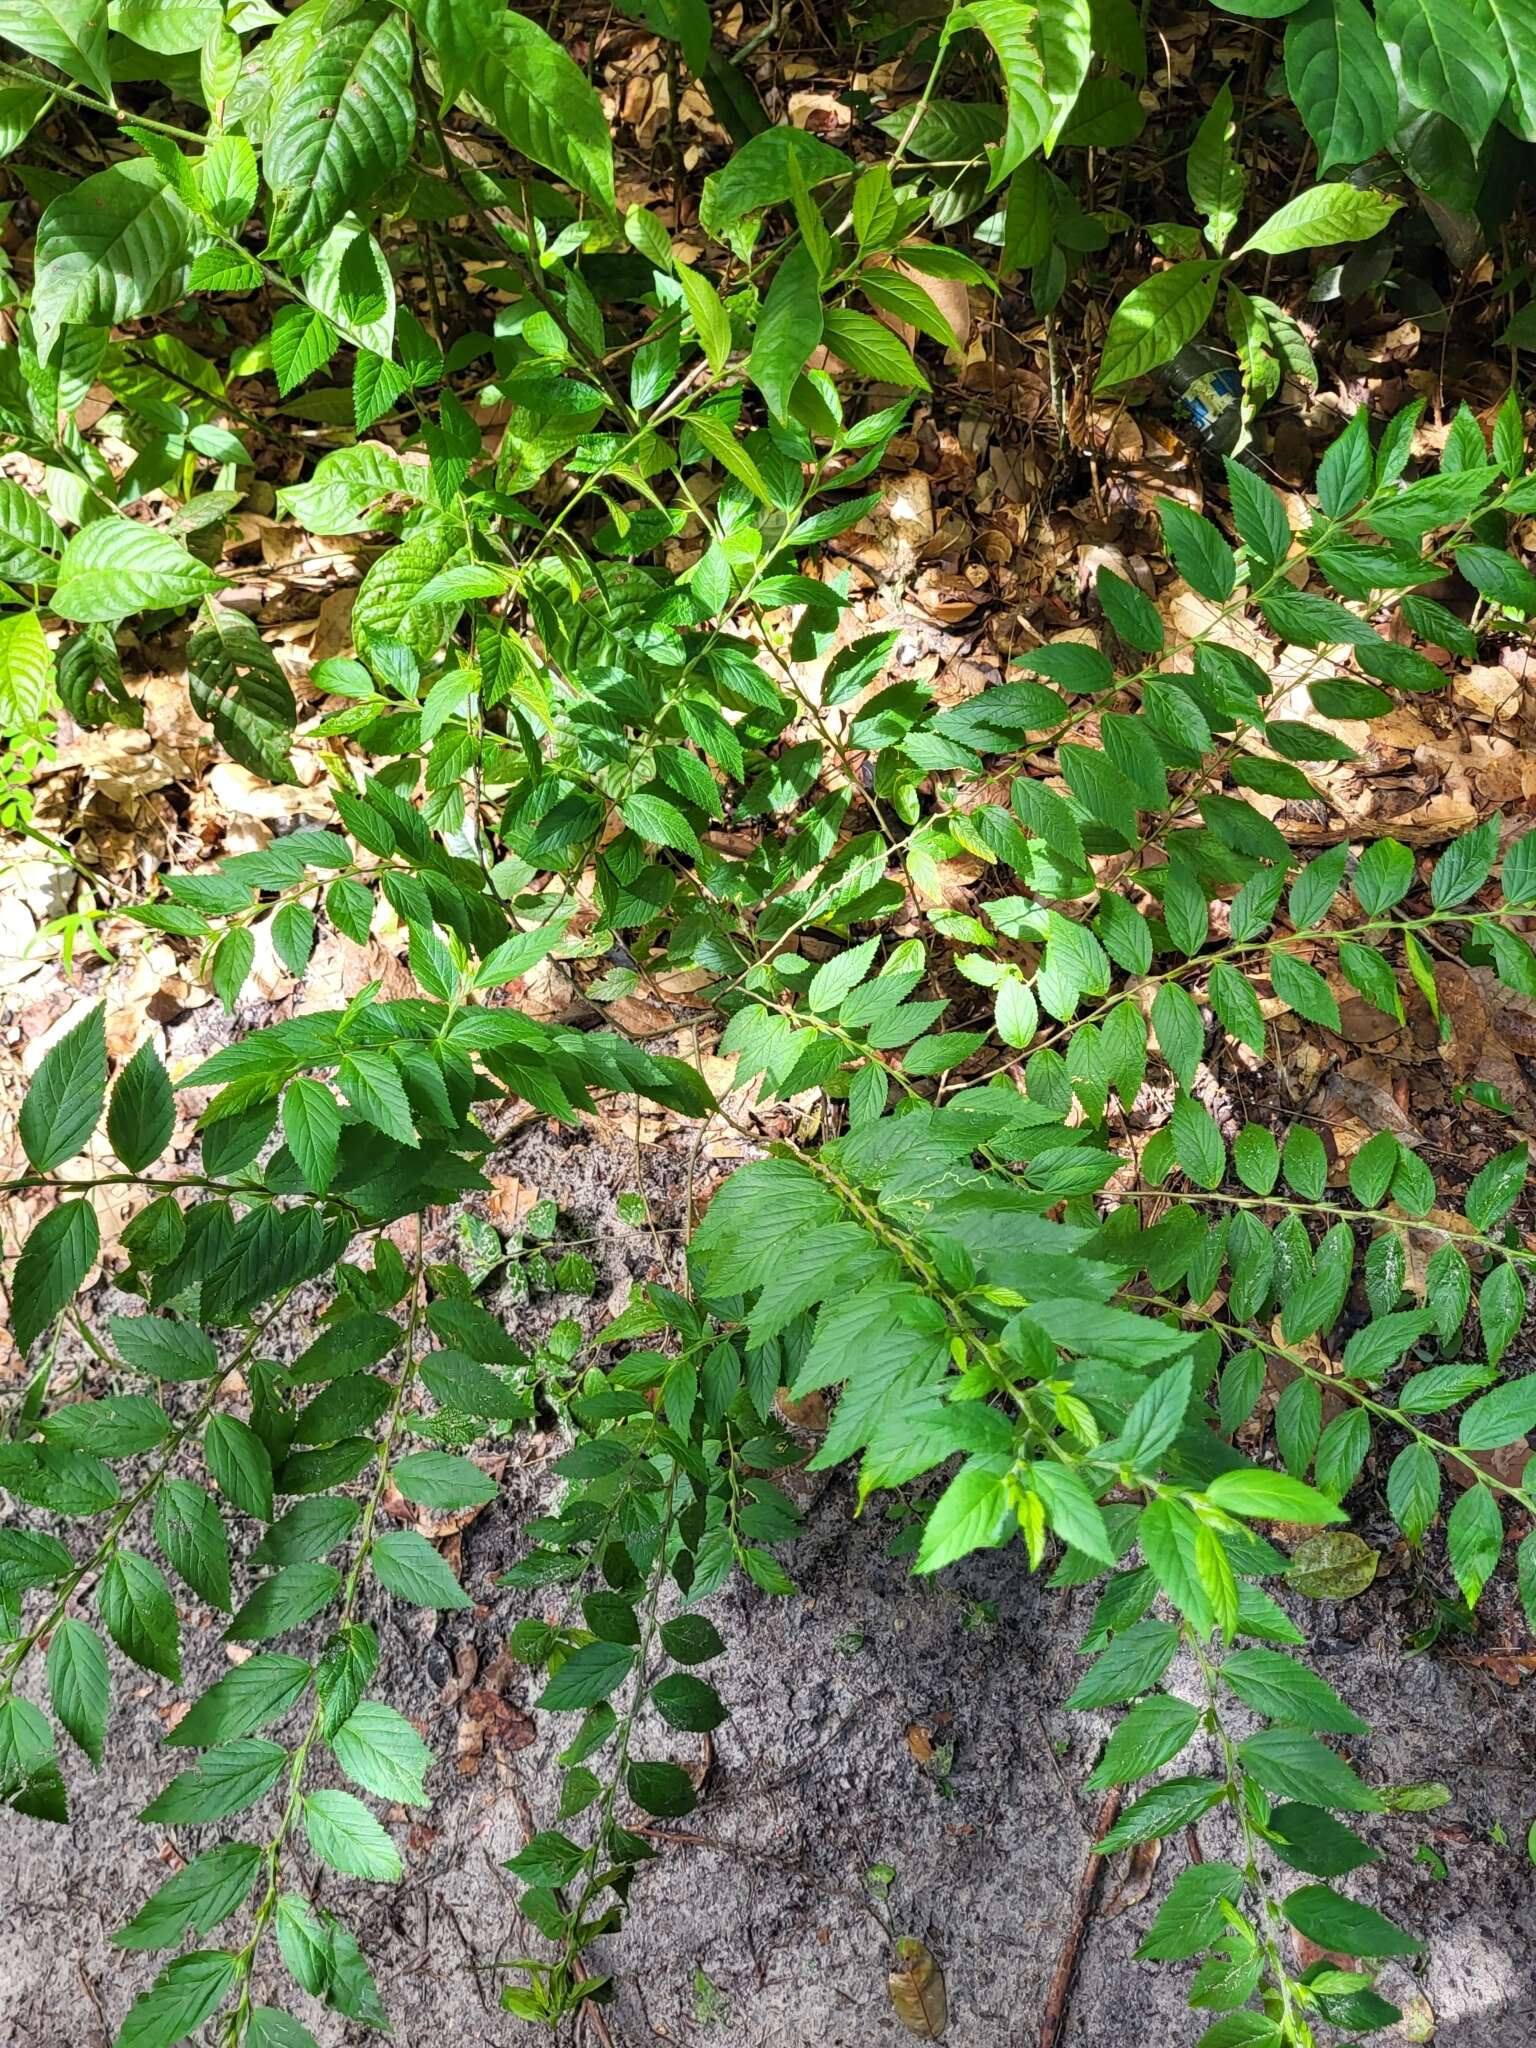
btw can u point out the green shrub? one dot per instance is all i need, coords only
(1001, 1281)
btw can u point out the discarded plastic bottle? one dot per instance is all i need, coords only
(1207, 390)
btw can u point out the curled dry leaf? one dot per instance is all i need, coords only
(916, 1987)
(1136, 1882)
(920, 1742)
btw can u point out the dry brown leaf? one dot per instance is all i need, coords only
(1135, 1881)
(916, 1987)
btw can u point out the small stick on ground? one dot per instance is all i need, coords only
(594, 2022)
(1055, 2012)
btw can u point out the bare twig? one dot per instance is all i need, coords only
(1054, 2014)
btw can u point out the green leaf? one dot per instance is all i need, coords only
(1497, 1187)
(588, 1675)
(69, 34)
(1235, 1003)
(63, 1102)
(1474, 1536)
(1197, 1143)
(1071, 1509)
(244, 1699)
(286, 1600)
(186, 1993)
(110, 248)
(972, 1513)
(308, 1530)
(1371, 976)
(201, 1895)
(371, 1082)
(1031, 117)
(1133, 1664)
(711, 322)
(237, 684)
(343, 1673)
(233, 958)
(1176, 1803)
(691, 1639)
(303, 341)
(1152, 323)
(1330, 1920)
(1064, 31)
(870, 349)
(1272, 1496)
(1464, 866)
(665, 1790)
(380, 1750)
(1256, 1157)
(139, 1613)
(345, 1835)
(788, 329)
(142, 1114)
(528, 89)
(164, 1349)
(348, 279)
(79, 1684)
(56, 1257)
(1153, 1733)
(312, 1127)
(1315, 219)
(340, 127)
(1311, 1840)
(1258, 514)
(460, 33)
(406, 1564)
(240, 1464)
(1341, 81)
(1501, 1308)
(114, 567)
(1190, 1918)
(435, 1479)
(1500, 1418)
(29, 539)
(1282, 1690)
(1413, 1490)
(1295, 1765)
(172, 27)
(190, 1533)
(1304, 989)
(1314, 889)
(1383, 876)
(660, 822)
(1217, 181)
(1167, 1532)
(1132, 614)
(759, 175)
(1451, 64)
(892, 291)
(687, 1702)
(225, 1781)
(547, 1858)
(1200, 554)
(1154, 1421)
(27, 674)
(1514, 31)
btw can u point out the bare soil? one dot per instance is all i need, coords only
(876, 1721)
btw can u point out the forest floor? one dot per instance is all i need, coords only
(897, 1762)
(897, 1759)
